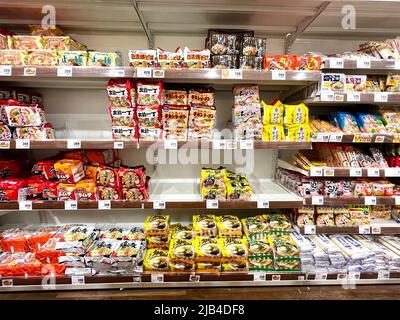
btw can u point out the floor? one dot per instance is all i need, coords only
(369, 292)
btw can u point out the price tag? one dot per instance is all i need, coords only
(231, 144)
(317, 200)
(321, 276)
(137, 279)
(353, 97)
(211, 204)
(355, 172)
(370, 201)
(219, 144)
(158, 73)
(362, 138)
(276, 277)
(316, 172)
(64, 71)
(71, 205)
(363, 63)
(160, 205)
(310, 229)
(22, 144)
(278, 75)
(301, 278)
(262, 204)
(25, 205)
(336, 137)
(157, 278)
(392, 172)
(380, 97)
(104, 204)
(336, 63)
(322, 137)
(194, 278)
(364, 229)
(77, 279)
(327, 96)
(246, 144)
(170, 144)
(7, 282)
(354, 276)
(379, 139)
(339, 97)
(5, 70)
(373, 172)
(118, 73)
(342, 276)
(376, 230)
(118, 144)
(143, 72)
(29, 72)
(397, 201)
(235, 74)
(4, 144)
(73, 144)
(329, 172)
(259, 276)
(397, 64)
(383, 275)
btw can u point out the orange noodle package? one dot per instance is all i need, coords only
(66, 192)
(86, 190)
(69, 171)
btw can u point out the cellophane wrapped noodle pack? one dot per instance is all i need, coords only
(170, 60)
(175, 122)
(142, 58)
(196, 59)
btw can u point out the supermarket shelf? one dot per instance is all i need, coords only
(356, 138)
(193, 280)
(354, 98)
(366, 65)
(111, 144)
(288, 166)
(327, 201)
(383, 227)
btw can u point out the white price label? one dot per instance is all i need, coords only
(355, 172)
(336, 63)
(158, 73)
(5, 145)
(219, 144)
(363, 63)
(301, 278)
(380, 97)
(246, 144)
(354, 276)
(7, 282)
(137, 279)
(376, 230)
(104, 204)
(77, 280)
(262, 204)
(317, 200)
(211, 204)
(370, 201)
(353, 97)
(397, 64)
(278, 75)
(170, 144)
(259, 276)
(157, 278)
(336, 137)
(397, 201)
(231, 144)
(321, 276)
(74, 144)
(379, 139)
(383, 275)
(29, 72)
(310, 229)
(327, 96)
(160, 205)
(373, 172)
(5, 70)
(143, 72)
(118, 144)
(22, 144)
(276, 277)
(71, 205)
(64, 71)
(194, 278)
(316, 172)
(118, 73)
(322, 137)
(25, 205)
(392, 172)
(364, 229)
(329, 172)
(235, 74)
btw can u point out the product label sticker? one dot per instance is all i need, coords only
(29, 72)
(170, 144)
(64, 71)
(339, 97)
(397, 200)
(157, 278)
(317, 200)
(262, 204)
(370, 200)
(321, 276)
(278, 74)
(310, 229)
(77, 280)
(137, 278)
(353, 97)
(5, 71)
(160, 205)
(246, 144)
(143, 72)
(74, 144)
(380, 97)
(71, 205)
(379, 139)
(231, 144)
(336, 63)
(276, 277)
(397, 64)
(5, 145)
(355, 172)
(373, 172)
(194, 278)
(336, 137)
(22, 144)
(211, 204)
(383, 275)
(364, 229)
(104, 204)
(301, 278)
(376, 230)
(329, 172)
(392, 172)
(322, 137)
(354, 276)
(362, 138)
(118, 144)
(363, 63)
(158, 73)
(25, 205)
(316, 172)
(235, 74)
(259, 276)
(7, 282)
(219, 144)
(327, 96)
(118, 73)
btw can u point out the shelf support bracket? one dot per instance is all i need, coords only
(145, 26)
(291, 37)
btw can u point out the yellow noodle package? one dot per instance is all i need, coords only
(207, 249)
(297, 132)
(235, 266)
(181, 232)
(181, 250)
(236, 190)
(273, 132)
(205, 225)
(156, 260)
(213, 178)
(254, 225)
(157, 224)
(234, 249)
(296, 114)
(213, 194)
(273, 114)
(160, 241)
(229, 226)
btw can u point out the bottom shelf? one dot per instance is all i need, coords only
(8, 284)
